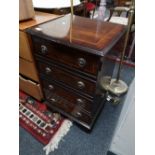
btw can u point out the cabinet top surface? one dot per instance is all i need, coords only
(40, 17)
(94, 36)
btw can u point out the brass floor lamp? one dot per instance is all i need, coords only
(118, 86)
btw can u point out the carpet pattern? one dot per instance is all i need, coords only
(46, 126)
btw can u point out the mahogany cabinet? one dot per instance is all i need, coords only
(71, 55)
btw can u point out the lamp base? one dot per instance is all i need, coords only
(105, 82)
(117, 87)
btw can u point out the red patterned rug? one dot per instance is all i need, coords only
(46, 126)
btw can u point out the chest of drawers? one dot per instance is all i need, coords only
(71, 56)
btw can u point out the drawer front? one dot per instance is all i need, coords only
(68, 102)
(87, 86)
(28, 69)
(30, 88)
(24, 47)
(53, 90)
(71, 111)
(65, 55)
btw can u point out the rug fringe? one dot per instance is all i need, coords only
(53, 144)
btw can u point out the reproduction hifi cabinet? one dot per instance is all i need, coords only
(71, 55)
(28, 78)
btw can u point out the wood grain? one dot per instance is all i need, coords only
(93, 36)
(68, 56)
(65, 96)
(24, 47)
(30, 88)
(69, 78)
(28, 69)
(40, 17)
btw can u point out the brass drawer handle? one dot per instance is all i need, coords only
(80, 101)
(78, 114)
(81, 62)
(53, 99)
(48, 70)
(80, 84)
(50, 87)
(44, 49)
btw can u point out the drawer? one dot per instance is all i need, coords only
(67, 103)
(56, 94)
(30, 88)
(73, 112)
(28, 69)
(69, 78)
(73, 58)
(24, 47)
